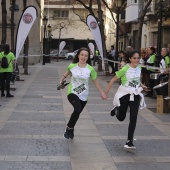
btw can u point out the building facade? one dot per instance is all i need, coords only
(134, 11)
(68, 21)
(34, 34)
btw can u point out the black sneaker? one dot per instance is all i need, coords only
(9, 95)
(69, 133)
(129, 145)
(114, 111)
(2, 95)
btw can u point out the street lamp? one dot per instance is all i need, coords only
(159, 39)
(118, 4)
(45, 20)
(49, 29)
(60, 27)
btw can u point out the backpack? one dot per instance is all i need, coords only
(4, 62)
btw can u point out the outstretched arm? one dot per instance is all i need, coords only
(102, 93)
(115, 78)
(64, 76)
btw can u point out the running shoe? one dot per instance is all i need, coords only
(69, 133)
(129, 145)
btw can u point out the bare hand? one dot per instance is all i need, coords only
(146, 88)
(104, 96)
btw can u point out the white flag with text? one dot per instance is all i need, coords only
(26, 21)
(94, 28)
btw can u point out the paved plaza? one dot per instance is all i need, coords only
(32, 125)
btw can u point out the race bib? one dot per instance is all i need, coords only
(80, 89)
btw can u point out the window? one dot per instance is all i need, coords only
(61, 14)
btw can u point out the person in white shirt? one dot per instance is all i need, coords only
(128, 94)
(78, 88)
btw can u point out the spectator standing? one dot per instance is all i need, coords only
(111, 56)
(150, 62)
(6, 73)
(96, 57)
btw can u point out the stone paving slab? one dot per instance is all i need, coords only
(35, 165)
(39, 107)
(33, 129)
(37, 116)
(33, 122)
(33, 147)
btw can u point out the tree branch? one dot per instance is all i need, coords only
(77, 14)
(89, 8)
(145, 9)
(38, 3)
(106, 4)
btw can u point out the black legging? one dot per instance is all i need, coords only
(78, 106)
(134, 107)
(5, 81)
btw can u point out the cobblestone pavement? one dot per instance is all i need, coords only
(32, 125)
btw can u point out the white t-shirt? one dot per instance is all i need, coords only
(79, 84)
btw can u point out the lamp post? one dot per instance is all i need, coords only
(118, 6)
(61, 26)
(45, 20)
(101, 25)
(159, 40)
(49, 29)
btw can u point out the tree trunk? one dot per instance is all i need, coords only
(12, 26)
(100, 15)
(26, 56)
(4, 22)
(140, 33)
(26, 46)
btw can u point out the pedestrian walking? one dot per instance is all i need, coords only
(7, 59)
(96, 57)
(111, 56)
(128, 94)
(151, 62)
(78, 88)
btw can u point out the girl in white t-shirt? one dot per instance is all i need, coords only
(128, 94)
(78, 88)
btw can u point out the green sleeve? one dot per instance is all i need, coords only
(167, 61)
(122, 71)
(152, 59)
(71, 66)
(93, 73)
(12, 56)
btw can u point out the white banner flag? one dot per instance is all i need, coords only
(94, 28)
(91, 46)
(61, 46)
(26, 21)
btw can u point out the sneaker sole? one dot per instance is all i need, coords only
(112, 112)
(65, 137)
(129, 147)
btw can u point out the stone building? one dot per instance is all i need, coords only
(67, 19)
(35, 32)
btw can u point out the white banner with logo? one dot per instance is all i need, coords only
(61, 46)
(26, 21)
(94, 28)
(91, 46)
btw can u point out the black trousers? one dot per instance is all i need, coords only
(78, 106)
(5, 82)
(111, 64)
(134, 107)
